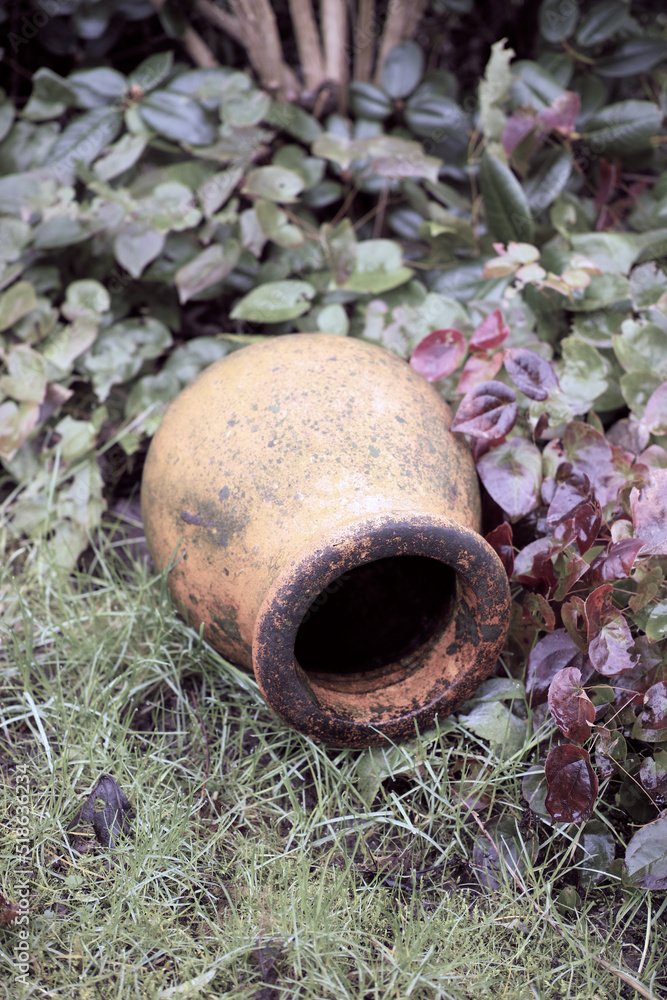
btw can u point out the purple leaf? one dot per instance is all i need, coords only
(530, 373)
(553, 653)
(488, 411)
(649, 513)
(512, 475)
(571, 708)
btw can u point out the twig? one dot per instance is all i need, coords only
(194, 45)
(364, 37)
(333, 15)
(625, 976)
(308, 43)
(227, 23)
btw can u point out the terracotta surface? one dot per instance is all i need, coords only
(306, 458)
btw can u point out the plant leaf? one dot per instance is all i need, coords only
(438, 354)
(571, 708)
(505, 202)
(512, 475)
(489, 411)
(532, 374)
(572, 784)
(645, 864)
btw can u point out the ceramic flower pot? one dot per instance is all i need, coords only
(326, 521)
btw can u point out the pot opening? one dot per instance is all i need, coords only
(375, 615)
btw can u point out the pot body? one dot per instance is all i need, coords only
(322, 524)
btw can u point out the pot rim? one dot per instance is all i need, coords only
(452, 664)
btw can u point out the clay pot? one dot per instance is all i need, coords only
(327, 523)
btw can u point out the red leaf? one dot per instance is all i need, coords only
(570, 613)
(500, 540)
(598, 609)
(569, 569)
(619, 560)
(654, 714)
(571, 708)
(572, 490)
(438, 354)
(553, 653)
(585, 526)
(488, 411)
(562, 115)
(490, 333)
(571, 782)
(539, 611)
(649, 513)
(530, 373)
(609, 651)
(655, 414)
(533, 567)
(517, 127)
(478, 369)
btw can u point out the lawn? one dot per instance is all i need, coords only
(256, 863)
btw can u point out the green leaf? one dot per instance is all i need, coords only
(16, 423)
(330, 319)
(637, 389)
(76, 437)
(178, 117)
(494, 722)
(276, 225)
(601, 22)
(533, 86)
(294, 120)
(647, 284)
(87, 299)
(634, 56)
(7, 115)
(25, 380)
(14, 236)
(626, 127)
(136, 245)
(65, 344)
(51, 96)
(96, 88)
(506, 205)
(612, 252)
(604, 290)
(243, 110)
(85, 138)
(642, 347)
(273, 183)
(120, 156)
(396, 157)
(119, 352)
(16, 302)
(369, 101)
(378, 267)
(171, 206)
(309, 168)
(339, 148)
(645, 863)
(402, 69)
(550, 172)
(217, 189)
(207, 268)
(557, 20)
(494, 90)
(152, 71)
(274, 302)
(656, 623)
(434, 117)
(581, 374)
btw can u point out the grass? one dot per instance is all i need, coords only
(259, 864)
